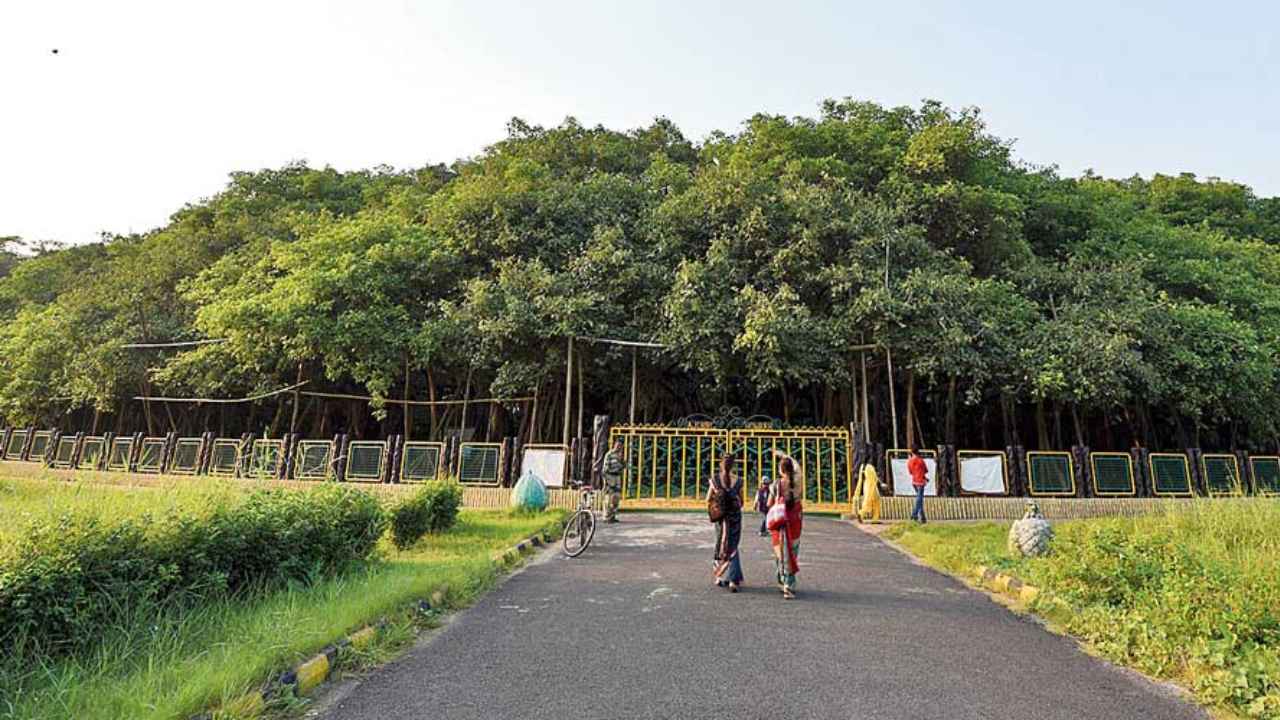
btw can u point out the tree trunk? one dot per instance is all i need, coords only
(951, 414)
(408, 411)
(1057, 425)
(1042, 426)
(984, 441)
(1183, 440)
(466, 398)
(1075, 420)
(297, 402)
(893, 402)
(533, 418)
(431, 395)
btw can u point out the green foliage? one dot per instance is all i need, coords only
(169, 661)
(432, 508)
(66, 578)
(1190, 596)
(757, 257)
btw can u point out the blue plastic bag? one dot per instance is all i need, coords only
(530, 493)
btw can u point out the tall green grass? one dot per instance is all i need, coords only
(180, 662)
(1192, 595)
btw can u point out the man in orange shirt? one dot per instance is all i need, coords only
(919, 478)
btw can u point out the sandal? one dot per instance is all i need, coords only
(788, 594)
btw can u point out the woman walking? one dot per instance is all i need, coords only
(724, 498)
(786, 520)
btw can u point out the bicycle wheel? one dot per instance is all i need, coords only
(578, 533)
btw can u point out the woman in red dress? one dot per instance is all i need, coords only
(786, 537)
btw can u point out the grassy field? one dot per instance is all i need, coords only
(1192, 596)
(177, 664)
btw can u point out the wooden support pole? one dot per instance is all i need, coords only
(466, 395)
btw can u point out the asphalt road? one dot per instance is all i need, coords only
(635, 629)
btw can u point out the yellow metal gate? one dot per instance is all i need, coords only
(671, 467)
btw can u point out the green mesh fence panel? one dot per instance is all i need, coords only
(655, 460)
(312, 459)
(1112, 474)
(13, 450)
(479, 464)
(150, 455)
(1266, 474)
(1170, 474)
(1050, 474)
(420, 461)
(91, 451)
(265, 460)
(64, 452)
(690, 468)
(186, 456)
(224, 457)
(364, 460)
(118, 459)
(40, 444)
(1221, 475)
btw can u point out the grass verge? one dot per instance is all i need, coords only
(177, 664)
(1191, 596)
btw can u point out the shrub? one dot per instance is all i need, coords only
(433, 508)
(75, 574)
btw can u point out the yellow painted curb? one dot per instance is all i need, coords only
(361, 638)
(311, 673)
(1002, 582)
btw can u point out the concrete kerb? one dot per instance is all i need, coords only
(1005, 584)
(311, 673)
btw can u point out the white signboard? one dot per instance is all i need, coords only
(549, 464)
(983, 475)
(902, 478)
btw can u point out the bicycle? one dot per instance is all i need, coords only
(581, 526)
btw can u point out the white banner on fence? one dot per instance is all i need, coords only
(902, 478)
(984, 475)
(547, 463)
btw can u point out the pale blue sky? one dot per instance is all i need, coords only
(150, 104)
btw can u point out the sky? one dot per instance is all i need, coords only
(147, 106)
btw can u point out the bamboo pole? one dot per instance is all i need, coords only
(633, 386)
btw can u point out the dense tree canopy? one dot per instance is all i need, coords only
(774, 263)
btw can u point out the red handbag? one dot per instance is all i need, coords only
(777, 517)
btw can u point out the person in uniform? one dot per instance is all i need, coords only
(611, 470)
